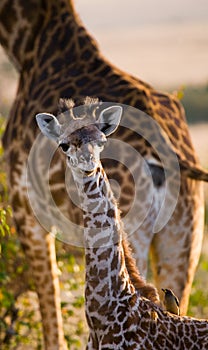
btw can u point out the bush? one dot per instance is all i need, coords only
(195, 102)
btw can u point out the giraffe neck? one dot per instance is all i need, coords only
(26, 25)
(19, 24)
(103, 235)
(100, 211)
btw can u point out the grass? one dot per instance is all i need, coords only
(198, 305)
(195, 102)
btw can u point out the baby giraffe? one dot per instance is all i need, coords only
(122, 311)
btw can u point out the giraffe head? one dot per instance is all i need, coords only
(85, 135)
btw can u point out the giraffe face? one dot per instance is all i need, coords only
(83, 148)
(84, 138)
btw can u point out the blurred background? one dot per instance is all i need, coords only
(163, 43)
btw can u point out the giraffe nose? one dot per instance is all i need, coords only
(73, 161)
(85, 158)
(82, 159)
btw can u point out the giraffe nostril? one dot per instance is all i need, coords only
(82, 159)
(73, 162)
(90, 157)
(86, 158)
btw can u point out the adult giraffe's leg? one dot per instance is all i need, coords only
(140, 244)
(176, 249)
(40, 250)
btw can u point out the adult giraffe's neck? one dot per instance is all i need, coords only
(27, 27)
(19, 24)
(103, 236)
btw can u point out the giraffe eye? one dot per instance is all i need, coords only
(64, 147)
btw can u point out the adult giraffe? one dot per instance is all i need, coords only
(56, 57)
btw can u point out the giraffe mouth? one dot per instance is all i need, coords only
(88, 172)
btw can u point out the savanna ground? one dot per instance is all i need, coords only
(19, 315)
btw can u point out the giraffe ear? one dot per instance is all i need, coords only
(109, 119)
(49, 125)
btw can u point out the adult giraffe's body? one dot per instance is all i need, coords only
(56, 57)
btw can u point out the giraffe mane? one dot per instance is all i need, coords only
(146, 290)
